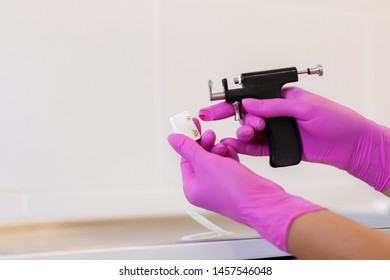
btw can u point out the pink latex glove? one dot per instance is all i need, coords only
(223, 185)
(330, 133)
(207, 141)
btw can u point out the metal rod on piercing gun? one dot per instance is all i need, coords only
(282, 132)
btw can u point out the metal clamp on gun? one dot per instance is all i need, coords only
(282, 132)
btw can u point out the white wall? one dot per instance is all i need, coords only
(87, 87)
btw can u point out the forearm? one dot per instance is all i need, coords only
(326, 235)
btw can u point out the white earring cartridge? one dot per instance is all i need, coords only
(184, 124)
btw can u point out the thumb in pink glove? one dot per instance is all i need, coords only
(223, 185)
(330, 133)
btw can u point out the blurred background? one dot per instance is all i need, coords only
(87, 88)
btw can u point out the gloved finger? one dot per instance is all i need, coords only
(248, 134)
(218, 111)
(251, 148)
(197, 124)
(219, 149)
(232, 153)
(245, 133)
(207, 140)
(254, 121)
(270, 108)
(187, 170)
(186, 147)
(293, 92)
(225, 151)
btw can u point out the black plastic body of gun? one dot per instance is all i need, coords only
(282, 132)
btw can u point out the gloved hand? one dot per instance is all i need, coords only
(207, 141)
(330, 133)
(223, 185)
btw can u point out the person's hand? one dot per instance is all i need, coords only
(223, 185)
(330, 133)
(207, 141)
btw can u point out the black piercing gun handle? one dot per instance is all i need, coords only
(282, 132)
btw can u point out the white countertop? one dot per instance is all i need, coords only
(146, 238)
